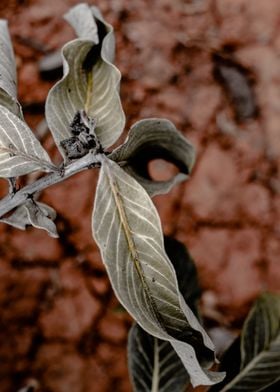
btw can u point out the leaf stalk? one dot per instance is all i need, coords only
(12, 201)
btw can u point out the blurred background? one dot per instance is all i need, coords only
(213, 68)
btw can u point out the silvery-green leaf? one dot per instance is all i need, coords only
(20, 151)
(153, 363)
(33, 213)
(17, 219)
(41, 216)
(90, 81)
(8, 84)
(127, 229)
(259, 348)
(154, 139)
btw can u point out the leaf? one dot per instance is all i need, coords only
(20, 151)
(154, 139)
(90, 81)
(36, 214)
(259, 348)
(185, 271)
(230, 364)
(127, 229)
(153, 363)
(8, 85)
(17, 219)
(41, 216)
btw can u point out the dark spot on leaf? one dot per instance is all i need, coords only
(78, 125)
(73, 148)
(84, 139)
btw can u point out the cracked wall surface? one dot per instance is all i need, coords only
(60, 322)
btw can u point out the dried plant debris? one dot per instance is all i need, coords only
(238, 84)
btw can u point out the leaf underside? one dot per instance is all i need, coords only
(90, 81)
(153, 363)
(8, 84)
(151, 139)
(20, 151)
(127, 229)
(35, 214)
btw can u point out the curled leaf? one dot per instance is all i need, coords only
(90, 81)
(154, 139)
(36, 214)
(20, 151)
(127, 229)
(8, 84)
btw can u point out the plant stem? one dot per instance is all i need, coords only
(12, 201)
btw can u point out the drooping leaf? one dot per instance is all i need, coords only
(151, 139)
(153, 363)
(8, 84)
(127, 229)
(259, 348)
(230, 364)
(90, 81)
(33, 213)
(20, 151)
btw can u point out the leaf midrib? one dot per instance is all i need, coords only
(245, 371)
(155, 378)
(89, 95)
(131, 244)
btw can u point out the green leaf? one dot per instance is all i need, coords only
(33, 213)
(153, 363)
(20, 151)
(127, 229)
(154, 139)
(90, 81)
(8, 84)
(260, 347)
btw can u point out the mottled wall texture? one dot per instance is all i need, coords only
(213, 68)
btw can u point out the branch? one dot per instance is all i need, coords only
(12, 201)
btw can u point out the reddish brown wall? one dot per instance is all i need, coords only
(60, 322)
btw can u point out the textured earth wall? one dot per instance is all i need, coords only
(213, 68)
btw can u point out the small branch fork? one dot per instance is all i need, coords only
(13, 200)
